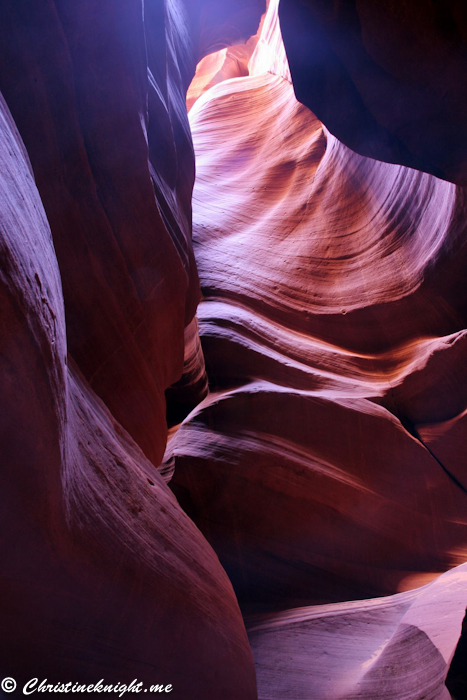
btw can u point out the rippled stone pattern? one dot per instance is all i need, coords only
(328, 462)
(103, 575)
(320, 480)
(391, 648)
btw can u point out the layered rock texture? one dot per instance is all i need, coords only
(314, 523)
(103, 575)
(390, 648)
(328, 462)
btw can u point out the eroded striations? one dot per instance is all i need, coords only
(392, 648)
(328, 461)
(98, 93)
(103, 575)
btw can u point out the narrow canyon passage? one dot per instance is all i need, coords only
(321, 466)
(233, 431)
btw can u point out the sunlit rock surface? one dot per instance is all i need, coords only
(103, 575)
(394, 648)
(333, 327)
(328, 462)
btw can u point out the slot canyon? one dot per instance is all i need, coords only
(233, 349)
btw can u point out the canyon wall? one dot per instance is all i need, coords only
(387, 78)
(297, 316)
(328, 462)
(103, 575)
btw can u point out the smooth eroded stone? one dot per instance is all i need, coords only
(103, 575)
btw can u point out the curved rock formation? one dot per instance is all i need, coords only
(103, 576)
(312, 499)
(333, 307)
(79, 81)
(125, 279)
(327, 463)
(393, 648)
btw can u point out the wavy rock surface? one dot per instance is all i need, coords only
(327, 463)
(98, 93)
(333, 328)
(107, 577)
(263, 52)
(125, 277)
(103, 575)
(396, 648)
